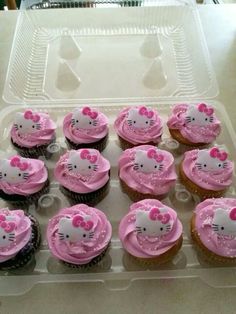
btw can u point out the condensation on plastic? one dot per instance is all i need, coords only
(151, 53)
(117, 270)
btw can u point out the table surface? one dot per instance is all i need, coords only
(153, 296)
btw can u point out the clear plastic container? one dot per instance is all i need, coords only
(153, 56)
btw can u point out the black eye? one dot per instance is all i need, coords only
(144, 229)
(77, 121)
(75, 166)
(222, 228)
(204, 165)
(5, 174)
(33, 126)
(161, 228)
(20, 126)
(84, 235)
(134, 122)
(219, 165)
(141, 166)
(155, 166)
(67, 236)
(4, 237)
(146, 122)
(90, 122)
(89, 167)
(206, 119)
(19, 174)
(193, 119)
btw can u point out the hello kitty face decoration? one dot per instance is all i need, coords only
(148, 161)
(7, 233)
(14, 170)
(156, 222)
(76, 229)
(27, 122)
(201, 115)
(211, 160)
(224, 222)
(140, 117)
(82, 162)
(84, 118)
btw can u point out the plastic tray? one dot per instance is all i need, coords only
(116, 270)
(109, 55)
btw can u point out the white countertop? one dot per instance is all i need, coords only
(153, 296)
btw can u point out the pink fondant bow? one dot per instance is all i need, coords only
(207, 110)
(28, 115)
(15, 162)
(78, 221)
(216, 153)
(155, 214)
(152, 154)
(85, 154)
(7, 226)
(88, 112)
(232, 214)
(143, 111)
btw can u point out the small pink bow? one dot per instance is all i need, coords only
(88, 112)
(15, 162)
(155, 214)
(143, 111)
(215, 153)
(85, 154)
(207, 110)
(7, 226)
(78, 221)
(152, 154)
(232, 214)
(28, 115)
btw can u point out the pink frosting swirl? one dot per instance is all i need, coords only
(22, 176)
(147, 169)
(206, 171)
(15, 232)
(82, 171)
(196, 123)
(78, 234)
(32, 129)
(149, 229)
(215, 223)
(139, 125)
(85, 125)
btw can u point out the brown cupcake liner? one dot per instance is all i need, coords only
(194, 188)
(92, 263)
(163, 258)
(125, 144)
(179, 138)
(99, 145)
(136, 196)
(90, 199)
(210, 256)
(34, 152)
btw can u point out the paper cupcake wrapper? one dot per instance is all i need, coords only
(175, 134)
(27, 252)
(34, 152)
(99, 145)
(126, 145)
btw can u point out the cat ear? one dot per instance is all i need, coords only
(220, 213)
(140, 214)
(3, 162)
(18, 116)
(72, 153)
(87, 217)
(140, 153)
(64, 221)
(203, 153)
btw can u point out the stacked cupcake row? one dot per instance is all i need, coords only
(151, 233)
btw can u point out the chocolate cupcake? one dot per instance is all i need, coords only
(23, 180)
(31, 134)
(86, 128)
(83, 176)
(19, 238)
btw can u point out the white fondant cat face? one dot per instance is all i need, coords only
(140, 117)
(69, 231)
(82, 162)
(207, 162)
(200, 115)
(84, 118)
(12, 173)
(27, 122)
(7, 230)
(224, 222)
(144, 162)
(147, 224)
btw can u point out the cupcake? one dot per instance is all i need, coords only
(19, 238)
(194, 125)
(83, 176)
(23, 180)
(79, 236)
(138, 125)
(207, 172)
(86, 128)
(31, 134)
(146, 172)
(151, 232)
(213, 230)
